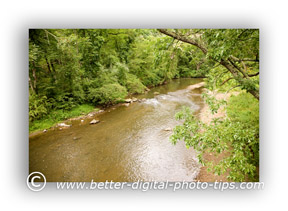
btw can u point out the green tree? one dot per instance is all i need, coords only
(233, 55)
(237, 135)
(236, 50)
(108, 94)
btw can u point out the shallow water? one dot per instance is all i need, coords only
(129, 144)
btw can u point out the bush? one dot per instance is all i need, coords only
(151, 79)
(64, 101)
(188, 73)
(244, 108)
(134, 85)
(38, 106)
(237, 136)
(107, 94)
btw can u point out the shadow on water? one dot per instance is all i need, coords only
(129, 144)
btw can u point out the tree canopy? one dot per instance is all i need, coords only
(237, 50)
(234, 54)
(68, 67)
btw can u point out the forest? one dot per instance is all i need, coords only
(68, 68)
(74, 71)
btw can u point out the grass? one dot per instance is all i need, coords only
(244, 108)
(57, 116)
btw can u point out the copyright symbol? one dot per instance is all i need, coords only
(32, 184)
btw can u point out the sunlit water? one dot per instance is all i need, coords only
(129, 144)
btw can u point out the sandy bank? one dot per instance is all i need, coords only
(196, 86)
(206, 117)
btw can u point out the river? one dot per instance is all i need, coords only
(129, 144)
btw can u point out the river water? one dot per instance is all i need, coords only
(129, 144)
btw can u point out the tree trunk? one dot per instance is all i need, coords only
(34, 80)
(50, 69)
(31, 86)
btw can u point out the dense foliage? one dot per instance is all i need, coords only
(237, 135)
(234, 55)
(71, 67)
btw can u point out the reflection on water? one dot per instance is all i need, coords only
(129, 144)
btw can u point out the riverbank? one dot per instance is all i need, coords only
(81, 112)
(86, 111)
(60, 116)
(206, 116)
(129, 143)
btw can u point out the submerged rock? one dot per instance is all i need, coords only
(126, 104)
(156, 93)
(168, 129)
(134, 99)
(76, 118)
(93, 113)
(63, 125)
(94, 121)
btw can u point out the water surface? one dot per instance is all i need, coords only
(129, 144)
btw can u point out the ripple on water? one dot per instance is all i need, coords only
(128, 144)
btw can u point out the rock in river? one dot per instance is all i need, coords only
(126, 104)
(128, 100)
(63, 125)
(94, 121)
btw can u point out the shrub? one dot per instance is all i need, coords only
(244, 108)
(188, 73)
(107, 94)
(237, 136)
(64, 101)
(134, 85)
(38, 106)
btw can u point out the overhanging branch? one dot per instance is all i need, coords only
(252, 75)
(228, 64)
(228, 79)
(183, 39)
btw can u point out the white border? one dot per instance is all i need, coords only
(18, 16)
